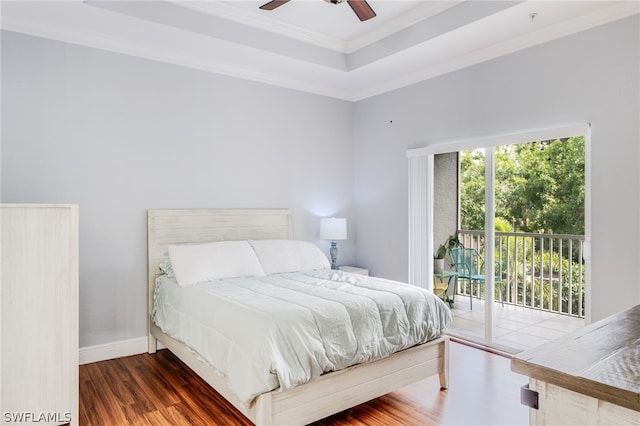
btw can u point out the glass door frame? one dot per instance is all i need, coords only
(421, 200)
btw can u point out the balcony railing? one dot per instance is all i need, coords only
(538, 271)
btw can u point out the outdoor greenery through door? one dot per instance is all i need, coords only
(539, 220)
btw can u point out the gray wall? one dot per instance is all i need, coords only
(588, 77)
(119, 135)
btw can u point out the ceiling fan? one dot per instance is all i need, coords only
(360, 7)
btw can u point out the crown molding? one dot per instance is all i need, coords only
(127, 47)
(553, 32)
(427, 10)
(263, 22)
(86, 37)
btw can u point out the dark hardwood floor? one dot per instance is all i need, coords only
(160, 390)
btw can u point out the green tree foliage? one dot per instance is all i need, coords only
(472, 189)
(539, 186)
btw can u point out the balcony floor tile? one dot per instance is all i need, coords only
(515, 328)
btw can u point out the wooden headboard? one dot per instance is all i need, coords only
(165, 227)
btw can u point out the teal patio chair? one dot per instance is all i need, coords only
(470, 267)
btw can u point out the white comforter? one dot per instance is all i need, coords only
(281, 330)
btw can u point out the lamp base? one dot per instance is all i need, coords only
(333, 251)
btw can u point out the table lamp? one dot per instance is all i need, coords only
(334, 228)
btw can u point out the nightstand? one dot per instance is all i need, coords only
(354, 270)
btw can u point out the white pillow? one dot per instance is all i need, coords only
(194, 263)
(288, 255)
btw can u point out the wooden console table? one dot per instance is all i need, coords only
(588, 377)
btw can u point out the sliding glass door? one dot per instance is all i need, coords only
(530, 274)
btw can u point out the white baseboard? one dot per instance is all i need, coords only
(114, 350)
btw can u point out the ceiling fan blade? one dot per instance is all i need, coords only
(273, 4)
(361, 9)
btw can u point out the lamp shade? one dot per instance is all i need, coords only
(334, 228)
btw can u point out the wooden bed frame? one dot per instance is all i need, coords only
(332, 392)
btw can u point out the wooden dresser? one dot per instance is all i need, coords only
(39, 314)
(588, 377)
